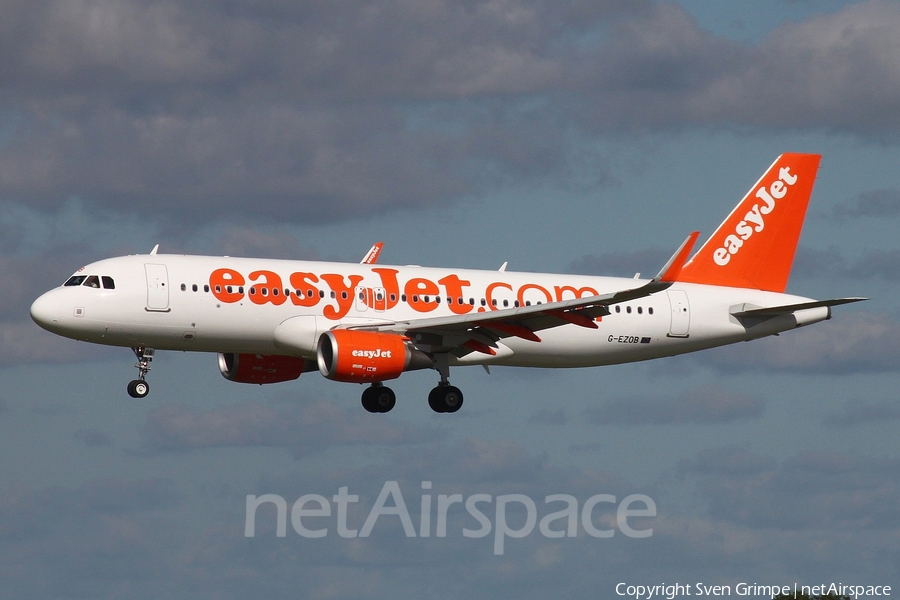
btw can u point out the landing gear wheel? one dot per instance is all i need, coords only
(138, 388)
(378, 399)
(445, 399)
(434, 400)
(383, 398)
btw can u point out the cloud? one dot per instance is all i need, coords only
(235, 240)
(710, 404)
(620, 264)
(815, 490)
(549, 417)
(327, 112)
(305, 429)
(860, 342)
(883, 203)
(859, 412)
(93, 437)
(84, 540)
(25, 343)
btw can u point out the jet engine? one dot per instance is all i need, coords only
(258, 368)
(367, 356)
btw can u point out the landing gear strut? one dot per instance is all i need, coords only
(139, 388)
(378, 399)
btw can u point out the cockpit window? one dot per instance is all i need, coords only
(75, 280)
(108, 283)
(92, 281)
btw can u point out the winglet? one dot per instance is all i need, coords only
(672, 269)
(371, 256)
(155, 249)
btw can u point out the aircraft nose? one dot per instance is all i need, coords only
(45, 312)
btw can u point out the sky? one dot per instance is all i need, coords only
(575, 136)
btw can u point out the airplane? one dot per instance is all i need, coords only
(271, 320)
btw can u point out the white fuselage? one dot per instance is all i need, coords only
(222, 304)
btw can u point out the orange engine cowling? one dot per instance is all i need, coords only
(366, 356)
(258, 368)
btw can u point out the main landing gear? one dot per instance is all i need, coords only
(444, 398)
(139, 388)
(378, 398)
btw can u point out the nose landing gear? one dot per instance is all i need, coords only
(139, 388)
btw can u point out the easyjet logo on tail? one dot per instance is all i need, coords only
(754, 247)
(754, 220)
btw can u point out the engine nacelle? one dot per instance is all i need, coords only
(367, 356)
(257, 368)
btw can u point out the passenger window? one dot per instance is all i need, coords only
(640, 310)
(650, 310)
(108, 283)
(92, 281)
(75, 280)
(183, 288)
(628, 309)
(206, 288)
(618, 309)
(194, 287)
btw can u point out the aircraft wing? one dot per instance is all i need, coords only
(478, 331)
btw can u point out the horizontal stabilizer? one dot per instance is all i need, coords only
(774, 311)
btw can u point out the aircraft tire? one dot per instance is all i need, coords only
(138, 388)
(445, 399)
(368, 400)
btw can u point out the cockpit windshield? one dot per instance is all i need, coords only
(93, 281)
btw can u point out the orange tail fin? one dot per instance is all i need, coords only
(754, 247)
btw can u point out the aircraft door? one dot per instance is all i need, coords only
(370, 298)
(681, 314)
(157, 287)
